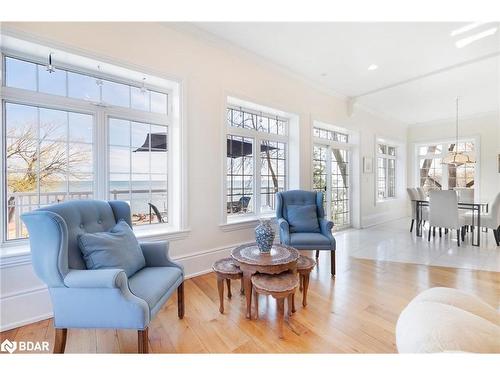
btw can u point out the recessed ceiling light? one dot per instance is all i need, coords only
(470, 39)
(373, 67)
(466, 28)
(324, 74)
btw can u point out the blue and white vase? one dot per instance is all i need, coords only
(264, 236)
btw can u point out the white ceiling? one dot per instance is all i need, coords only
(337, 55)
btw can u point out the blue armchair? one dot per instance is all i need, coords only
(103, 298)
(300, 216)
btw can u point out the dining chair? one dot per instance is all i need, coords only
(490, 220)
(421, 194)
(414, 195)
(443, 212)
(465, 195)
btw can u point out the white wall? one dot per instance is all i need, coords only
(209, 71)
(486, 127)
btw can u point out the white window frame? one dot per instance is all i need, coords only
(386, 157)
(257, 138)
(444, 143)
(100, 113)
(349, 147)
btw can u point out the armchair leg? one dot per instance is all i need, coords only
(332, 257)
(180, 301)
(142, 341)
(60, 340)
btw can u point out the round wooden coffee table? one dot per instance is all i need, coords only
(281, 258)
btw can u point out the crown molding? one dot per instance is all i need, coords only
(246, 54)
(452, 119)
(376, 113)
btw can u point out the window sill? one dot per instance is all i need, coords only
(19, 253)
(379, 201)
(15, 254)
(244, 222)
(161, 232)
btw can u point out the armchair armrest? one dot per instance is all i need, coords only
(326, 226)
(156, 255)
(284, 231)
(105, 278)
(326, 229)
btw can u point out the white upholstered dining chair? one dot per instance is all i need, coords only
(413, 195)
(491, 220)
(421, 194)
(443, 212)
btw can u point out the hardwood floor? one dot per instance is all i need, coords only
(354, 313)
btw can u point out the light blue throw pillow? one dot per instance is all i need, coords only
(303, 219)
(117, 248)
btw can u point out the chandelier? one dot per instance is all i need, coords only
(456, 157)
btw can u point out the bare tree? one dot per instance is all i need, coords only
(33, 161)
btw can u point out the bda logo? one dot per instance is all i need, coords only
(8, 346)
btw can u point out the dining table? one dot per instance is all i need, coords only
(251, 260)
(476, 208)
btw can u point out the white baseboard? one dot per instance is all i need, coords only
(380, 218)
(31, 304)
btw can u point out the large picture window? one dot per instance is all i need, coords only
(49, 159)
(256, 161)
(432, 174)
(63, 129)
(138, 168)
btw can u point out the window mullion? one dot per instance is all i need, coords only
(257, 175)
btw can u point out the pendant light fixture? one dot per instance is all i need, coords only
(456, 157)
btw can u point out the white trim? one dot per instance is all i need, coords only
(24, 322)
(349, 147)
(235, 103)
(249, 55)
(177, 174)
(380, 218)
(89, 54)
(448, 119)
(239, 225)
(195, 264)
(476, 139)
(397, 161)
(19, 253)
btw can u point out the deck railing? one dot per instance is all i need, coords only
(21, 202)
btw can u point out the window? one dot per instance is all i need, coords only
(386, 171)
(65, 129)
(49, 159)
(331, 171)
(138, 168)
(330, 135)
(34, 77)
(256, 161)
(434, 175)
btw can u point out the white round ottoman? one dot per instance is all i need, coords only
(444, 320)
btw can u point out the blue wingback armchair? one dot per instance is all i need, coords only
(302, 224)
(103, 298)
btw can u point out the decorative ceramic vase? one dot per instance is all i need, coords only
(264, 236)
